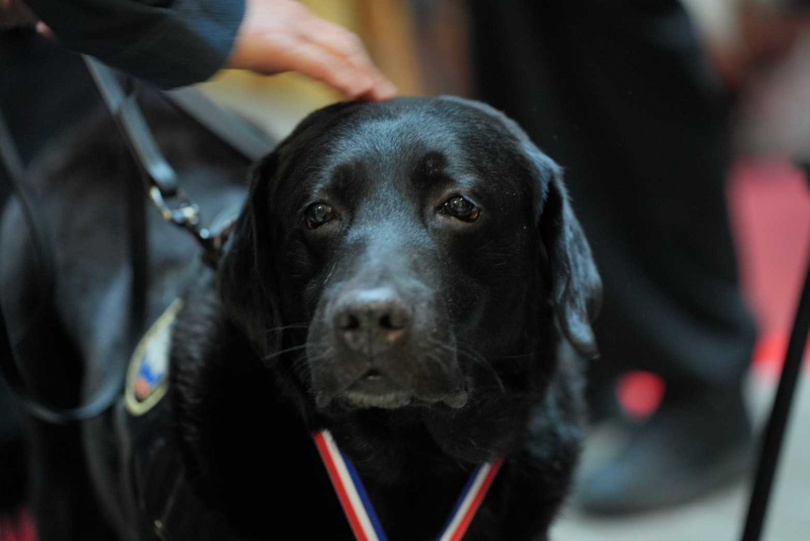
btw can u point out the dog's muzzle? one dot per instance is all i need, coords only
(382, 352)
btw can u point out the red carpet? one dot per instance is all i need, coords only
(17, 528)
(770, 212)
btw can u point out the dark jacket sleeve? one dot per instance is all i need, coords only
(167, 42)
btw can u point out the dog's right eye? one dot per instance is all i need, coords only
(461, 208)
(318, 214)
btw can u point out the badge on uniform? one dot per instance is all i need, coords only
(147, 377)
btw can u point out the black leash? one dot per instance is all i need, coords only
(159, 178)
(160, 182)
(29, 201)
(780, 412)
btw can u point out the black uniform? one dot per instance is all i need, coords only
(167, 42)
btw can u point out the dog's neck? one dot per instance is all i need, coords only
(217, 379)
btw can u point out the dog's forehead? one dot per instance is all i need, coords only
(415, 149)
(402, 140)
(389, 143)
(392, 136)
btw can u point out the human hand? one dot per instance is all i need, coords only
(283, 35)
(13, 14)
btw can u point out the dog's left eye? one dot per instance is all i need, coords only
(460, 208)
(318, 214)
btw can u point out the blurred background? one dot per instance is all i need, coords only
(758, 54)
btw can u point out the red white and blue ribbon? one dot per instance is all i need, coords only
(360, 512)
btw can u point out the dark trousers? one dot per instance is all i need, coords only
(619, 93)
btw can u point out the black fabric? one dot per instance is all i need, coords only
(619, 94)
(12, 469)
(155, 483)
(798, 5)
(167, 42)
(43, 89)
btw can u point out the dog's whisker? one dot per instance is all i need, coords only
(475, 357)
(463, 349)
(299, 366)
(287, 327)
(279, 353)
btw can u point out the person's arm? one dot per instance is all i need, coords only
(179, 42)
(169, 43)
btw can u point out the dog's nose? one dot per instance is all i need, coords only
(371, 321)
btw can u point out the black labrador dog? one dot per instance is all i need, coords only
(408, 275)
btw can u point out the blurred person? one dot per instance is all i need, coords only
(758, 34)
(621, 95)
(45, 88)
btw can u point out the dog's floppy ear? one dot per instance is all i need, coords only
(576, 289)
(247, 278)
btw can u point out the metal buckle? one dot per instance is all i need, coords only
(160, 179)
(186, 214)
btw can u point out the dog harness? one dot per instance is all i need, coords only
(157, 490)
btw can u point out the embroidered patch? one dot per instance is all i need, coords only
(148, 369)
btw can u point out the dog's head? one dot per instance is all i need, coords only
(401, 253)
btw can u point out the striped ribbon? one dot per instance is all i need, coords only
(360, 512)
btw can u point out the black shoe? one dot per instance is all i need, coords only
(695, 443)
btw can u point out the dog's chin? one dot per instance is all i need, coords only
(391, 400)
(396, 399)
(359, 387)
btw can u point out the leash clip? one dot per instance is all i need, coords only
(159, 178)
(186, 214)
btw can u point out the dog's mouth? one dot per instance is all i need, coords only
(375, 389)
(371, 394)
